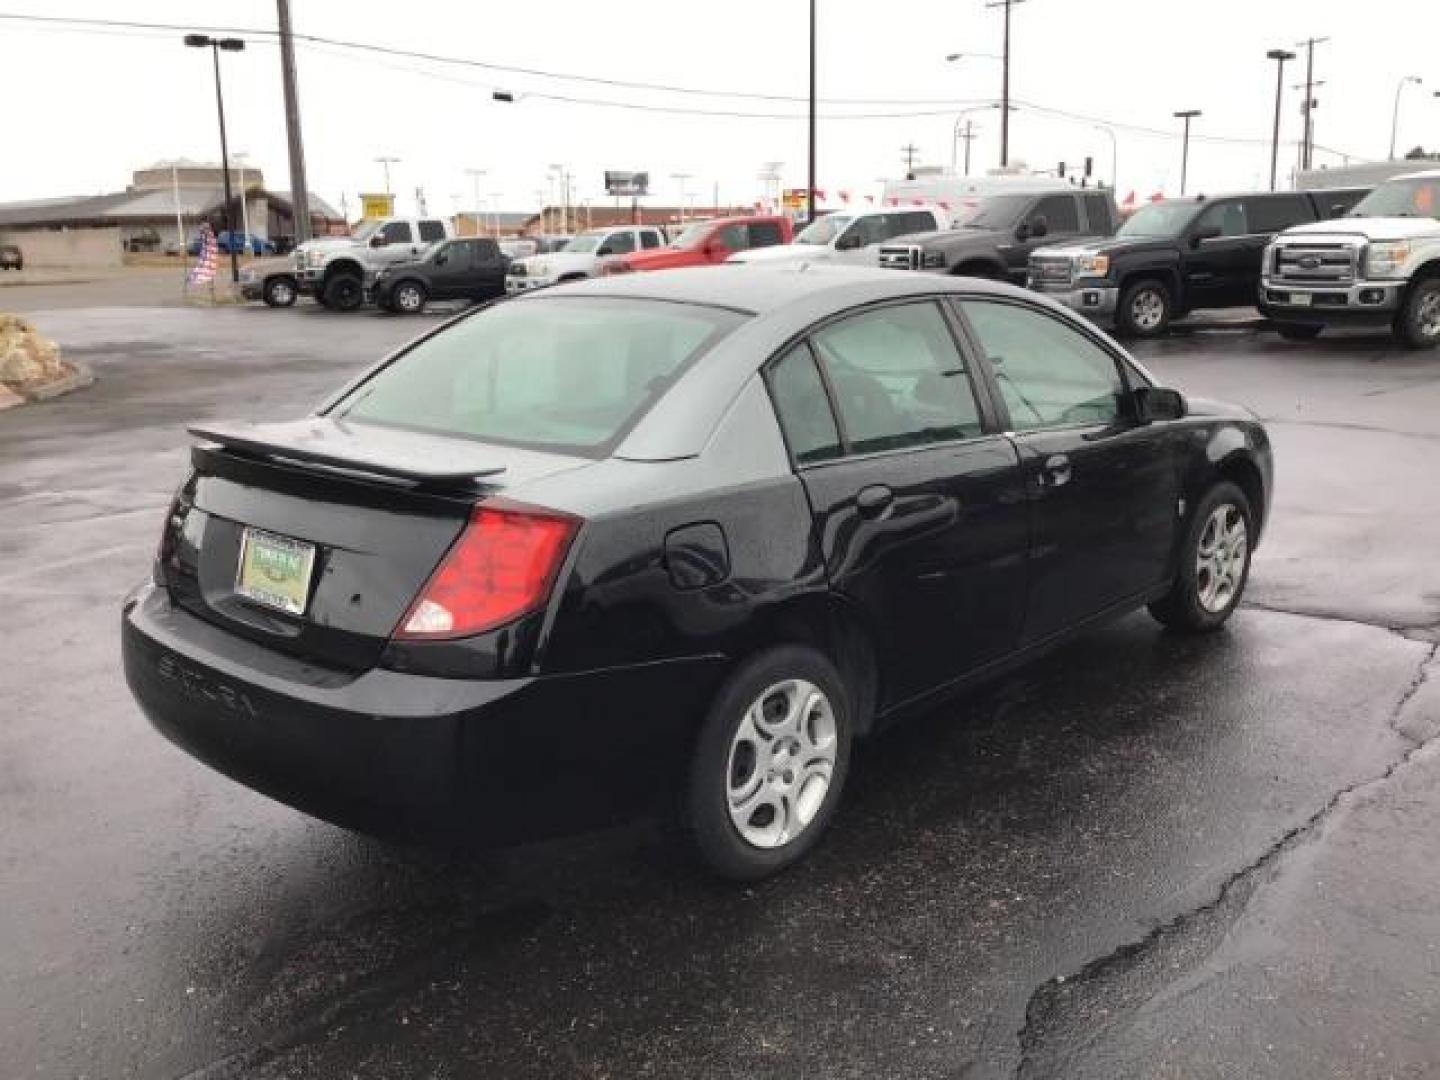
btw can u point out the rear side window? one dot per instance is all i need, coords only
(571, 374)
(396, 232)
(765, 234)
(485, 250)
(803, 408)
(1059, 213)
(1097, 212)
(1276, 213)
(898, 378)
(431, 231)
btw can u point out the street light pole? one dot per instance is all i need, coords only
(475, 175)
(1005, 83)
(810, 171)
(1395, 119)
(1279, 56)
(240, 157)
(1114, 153)
(201, 41)
(1187, 115)
(385, 163)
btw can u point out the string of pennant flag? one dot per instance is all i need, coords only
(820, 194)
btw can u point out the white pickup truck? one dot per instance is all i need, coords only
(1377, 266)
(332, 268)
(580, 258)
(847, 236)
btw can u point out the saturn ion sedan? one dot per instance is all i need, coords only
(674, 541)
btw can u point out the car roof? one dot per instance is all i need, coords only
(758, 289)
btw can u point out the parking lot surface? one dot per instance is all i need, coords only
(1147, 856)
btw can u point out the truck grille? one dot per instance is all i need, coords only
(1051, 269)
(901, 256)
(1316, 263)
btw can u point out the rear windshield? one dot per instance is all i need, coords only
(570, 374)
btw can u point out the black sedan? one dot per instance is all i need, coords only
(469, 269)
(674, 540)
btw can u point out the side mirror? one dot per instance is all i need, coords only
(848, 242)
(1199, 236)
(714, 249)
(1039, 226)
(1337, 210)
(605, 249)
(1022, 231)
(441, 258)
(377, 240)
(1158, 403)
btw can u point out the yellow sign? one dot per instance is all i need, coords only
(793, 199)
(376, 206)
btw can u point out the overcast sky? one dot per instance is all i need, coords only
(81, 110)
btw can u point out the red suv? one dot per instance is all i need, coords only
(707, 242)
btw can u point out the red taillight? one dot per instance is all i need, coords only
(501, 568)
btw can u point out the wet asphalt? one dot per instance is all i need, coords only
(1148, 856)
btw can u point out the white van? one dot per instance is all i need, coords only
(848, 236)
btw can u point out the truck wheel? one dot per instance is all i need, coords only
(344, 292)
(1145, 309)
(279, 292)
(408, 298)
(1418, 324)
(1298, 331)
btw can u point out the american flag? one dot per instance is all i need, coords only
(203, 272)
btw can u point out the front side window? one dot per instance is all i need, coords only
(823, 230)
(733, 238)
(570, 374)
(620, 243)
(898, 378)
(396, 232)
(1228, 217)
(1165, 220)
(1059, 213)
(802, 407)
(1049, 374)
(430, 231)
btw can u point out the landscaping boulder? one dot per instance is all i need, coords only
(27, 360)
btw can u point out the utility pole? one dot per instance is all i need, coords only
(909, 150)
(299, 194)
(1308, 142)
(969, 137)
(1280, 56)
(1005, 82)
(1187, 115)
(810, 185)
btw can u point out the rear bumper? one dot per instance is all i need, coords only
(1096, 301)
(398, 754)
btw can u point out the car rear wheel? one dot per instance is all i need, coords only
(344, 292)
(1145, 310)
(1214, 563)
(1418, 324)
(408, 298)
(1298, 331)
(770, 764)
(280, 292)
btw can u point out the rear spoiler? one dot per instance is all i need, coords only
(396, 455)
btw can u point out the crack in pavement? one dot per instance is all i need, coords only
(1426, 633)
(1237, 888)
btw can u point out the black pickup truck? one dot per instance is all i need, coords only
(996, 240)
(1178, 255)
(466, 269)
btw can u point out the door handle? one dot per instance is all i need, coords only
(874, 500)
(1057, 470)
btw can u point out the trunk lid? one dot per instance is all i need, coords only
(378, 506)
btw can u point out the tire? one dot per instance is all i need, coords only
(1418, 324)
(279, 292)
(1207, 589)
(408, 298)
(1298, 331)
(344, 292)
(749, 810)
(1145, 310)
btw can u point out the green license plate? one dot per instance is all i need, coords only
(275, 570)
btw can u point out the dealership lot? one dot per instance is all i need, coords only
(1216, 843)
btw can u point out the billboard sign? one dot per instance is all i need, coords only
(627, 183)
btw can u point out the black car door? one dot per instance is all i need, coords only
(448, 267)
(1103, 488)
(919, 510)
(486, 278)
(1221, 257)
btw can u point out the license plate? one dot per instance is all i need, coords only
(1301, 299)
(275, 570)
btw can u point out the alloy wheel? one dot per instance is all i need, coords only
(1427, 315)
(781, 762)
(1220, 558)
(1147, 309)
(408, 298)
